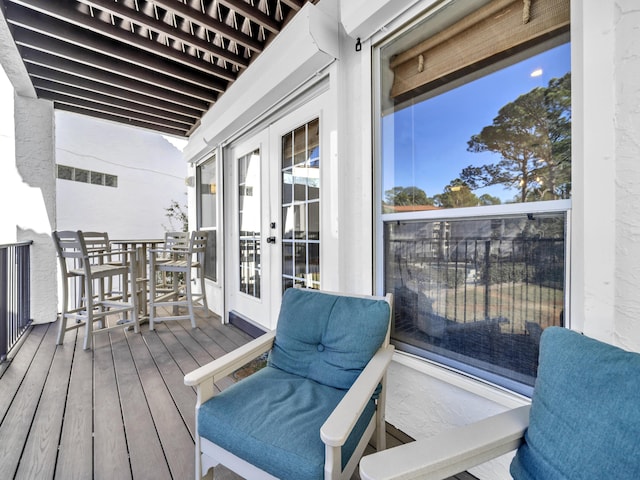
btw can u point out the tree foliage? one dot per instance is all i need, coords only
(403, 196)
(458, 194)
(532, 135)
(177, 213)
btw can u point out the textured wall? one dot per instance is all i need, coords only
(627, 134)
(150, 173)
(36, 199)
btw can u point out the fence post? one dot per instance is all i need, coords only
(4, 307)
(487, 262)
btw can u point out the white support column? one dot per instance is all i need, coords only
(35, 200)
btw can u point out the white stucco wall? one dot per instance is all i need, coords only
(27, 185)
(626, 21)
(9, 180)
(150, 171)
(34, 154)
(605, 261)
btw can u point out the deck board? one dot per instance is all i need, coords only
(110, 456)
(19, 417)
(120, 410)
(75, 457)
(144, 447)
(172, 431)
(48, 419)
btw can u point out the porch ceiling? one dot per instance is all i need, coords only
(156, 64)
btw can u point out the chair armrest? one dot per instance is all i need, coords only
(169, 250)
(113, 253)
(450, 452)
(338, 426)
(227, 364)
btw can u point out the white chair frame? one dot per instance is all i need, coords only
(177, 260)
(450, 452)
(76, 262)
(334, 431)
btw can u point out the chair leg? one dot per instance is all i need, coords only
(62, 329)
(189, 294)
(152, 292)
(125, 289)
(63, 316)
(135, 312)
(204, 292)
(175, 281)
(88, 335)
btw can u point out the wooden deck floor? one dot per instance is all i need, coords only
(119, 411)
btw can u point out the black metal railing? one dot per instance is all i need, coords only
(15, 294)
(477, 292)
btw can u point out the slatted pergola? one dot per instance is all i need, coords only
(155, 64)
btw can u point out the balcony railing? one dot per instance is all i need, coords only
(15, 294)
(476, 294)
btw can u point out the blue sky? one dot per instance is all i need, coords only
(430, 145)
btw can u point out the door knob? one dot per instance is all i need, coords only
(271, 239)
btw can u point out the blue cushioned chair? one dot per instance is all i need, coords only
(311, 411)
(583, 423)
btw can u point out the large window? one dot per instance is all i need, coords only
(475, 161)
(207, 178)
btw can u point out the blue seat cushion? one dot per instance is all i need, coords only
(585, 412)
(272, 419)
(328, 338)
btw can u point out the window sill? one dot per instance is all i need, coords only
(468, 383)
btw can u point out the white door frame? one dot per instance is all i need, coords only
(263, 312)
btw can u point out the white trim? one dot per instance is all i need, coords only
(483, 211)
(363, 18)
(499, 395)
(310, 42)
(311, 89)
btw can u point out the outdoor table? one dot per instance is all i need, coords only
(142, 247)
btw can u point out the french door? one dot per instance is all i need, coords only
(272, 211)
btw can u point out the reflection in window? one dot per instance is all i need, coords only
(478, 291)
(207, 213)
(502, 138)
(475, 112)
(301, 206)
(249, 211)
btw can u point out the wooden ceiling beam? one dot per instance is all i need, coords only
(140, 19)
(122, 120)
(109, 109)
(69, 83)
(252, 13)
(84, 23)
(293, 4)
(127, 83)
(62, 70)
(116, 58)
(201, 19)
(93, 97)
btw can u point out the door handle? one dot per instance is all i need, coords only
(271, 239)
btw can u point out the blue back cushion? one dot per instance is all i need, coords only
(585, 412)
(328, 338)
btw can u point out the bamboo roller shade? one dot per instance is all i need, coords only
(498, 29)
